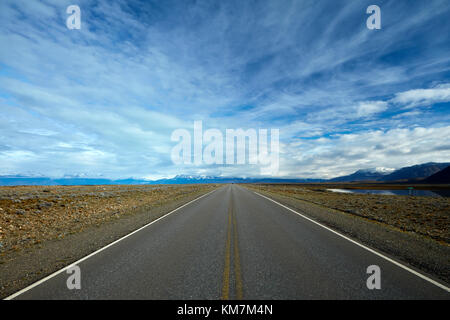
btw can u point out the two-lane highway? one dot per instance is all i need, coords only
(234, 244)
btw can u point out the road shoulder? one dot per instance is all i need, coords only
(426, 255)
(22, 268)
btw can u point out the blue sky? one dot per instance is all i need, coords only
(104, 100)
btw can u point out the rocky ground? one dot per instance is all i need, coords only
(30, 215)
(43, 229)
(426, 216)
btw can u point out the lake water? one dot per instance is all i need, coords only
(426, 193)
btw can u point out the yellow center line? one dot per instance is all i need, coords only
(226, 271)
(232, 228)
(237, 263)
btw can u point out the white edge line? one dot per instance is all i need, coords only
(363, 246)
(35, 284)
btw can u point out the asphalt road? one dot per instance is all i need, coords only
(235, 244)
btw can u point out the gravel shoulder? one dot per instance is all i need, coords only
(424, 253)
(26, 262)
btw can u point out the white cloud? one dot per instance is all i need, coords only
(346, 153)
(368, 108)
(104, 99)
(423, 97)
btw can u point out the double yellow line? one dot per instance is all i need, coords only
(232, 229)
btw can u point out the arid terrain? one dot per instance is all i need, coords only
(30, 215)
(411, 229)
(44, 228)
(426, 216)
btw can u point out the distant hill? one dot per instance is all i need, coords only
(361, 175)
(442, 176)
(21, 180)
(75, 181)
(416, 172)
(184, 179)
(180, 179)
(413, 173)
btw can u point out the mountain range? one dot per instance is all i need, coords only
(13, 180)
(442, 176)
(406, 174)
(361, 175)
(435, 172)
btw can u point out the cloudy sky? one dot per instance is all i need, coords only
(104, 100)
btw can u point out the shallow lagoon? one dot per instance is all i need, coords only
(405, 192)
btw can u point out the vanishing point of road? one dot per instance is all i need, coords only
(233, 243)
